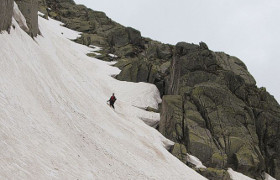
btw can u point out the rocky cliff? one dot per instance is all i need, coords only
(6, 14)
(216, 111)
(211, 106)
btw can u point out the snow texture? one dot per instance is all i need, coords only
(54, 120)
(20, 18)
(113, 55)
(268, 177)
(237, 176)
(195, 161)
(95, 50)
(41, 14)
(56, 27)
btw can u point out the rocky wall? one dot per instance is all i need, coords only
(227, 121)
(6, 13)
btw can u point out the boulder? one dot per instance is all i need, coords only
(214, 174)
(134, 36)
(236, 66)
(180, 151)
(92, 39)
(119, 37)
(137, 71)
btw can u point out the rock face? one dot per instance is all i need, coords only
(6, 14)
(29, 9)
(225, 120)
(211, 106)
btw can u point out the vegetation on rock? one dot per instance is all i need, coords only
(211, 105)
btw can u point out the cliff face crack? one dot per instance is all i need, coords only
(202, 110)
(150, 67)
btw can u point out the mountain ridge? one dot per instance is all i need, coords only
(196, 74)
(210, 100)
(55, 123)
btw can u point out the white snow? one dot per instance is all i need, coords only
(40, 13)
(54, 120)
(237, 176)
(268, 177)
(113, 55)
(56, 27)
(19, 18)
(95, 48)
(96, 53)
(195, 161)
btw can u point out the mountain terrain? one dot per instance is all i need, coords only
(211, 107)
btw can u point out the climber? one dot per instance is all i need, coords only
(112, 100)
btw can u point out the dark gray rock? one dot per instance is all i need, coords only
(134, 36)
(118, 38)
(6, 14)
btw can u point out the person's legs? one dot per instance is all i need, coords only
(112, 105)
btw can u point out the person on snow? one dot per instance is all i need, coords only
(112, 100)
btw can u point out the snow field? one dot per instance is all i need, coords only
(54, 120)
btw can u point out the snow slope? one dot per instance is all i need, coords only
(54, 120)
(237, 176)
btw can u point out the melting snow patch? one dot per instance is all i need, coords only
(268, 177)
(41, 14)
(237, 176)
(113, 55)
(195, 161)
(95, 48)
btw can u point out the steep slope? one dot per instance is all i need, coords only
(213, 110)
(55, 123)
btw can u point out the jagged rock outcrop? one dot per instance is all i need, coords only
(29, 9)
(6, 14)
(211, 106)
(220, 105)
(149, 63)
